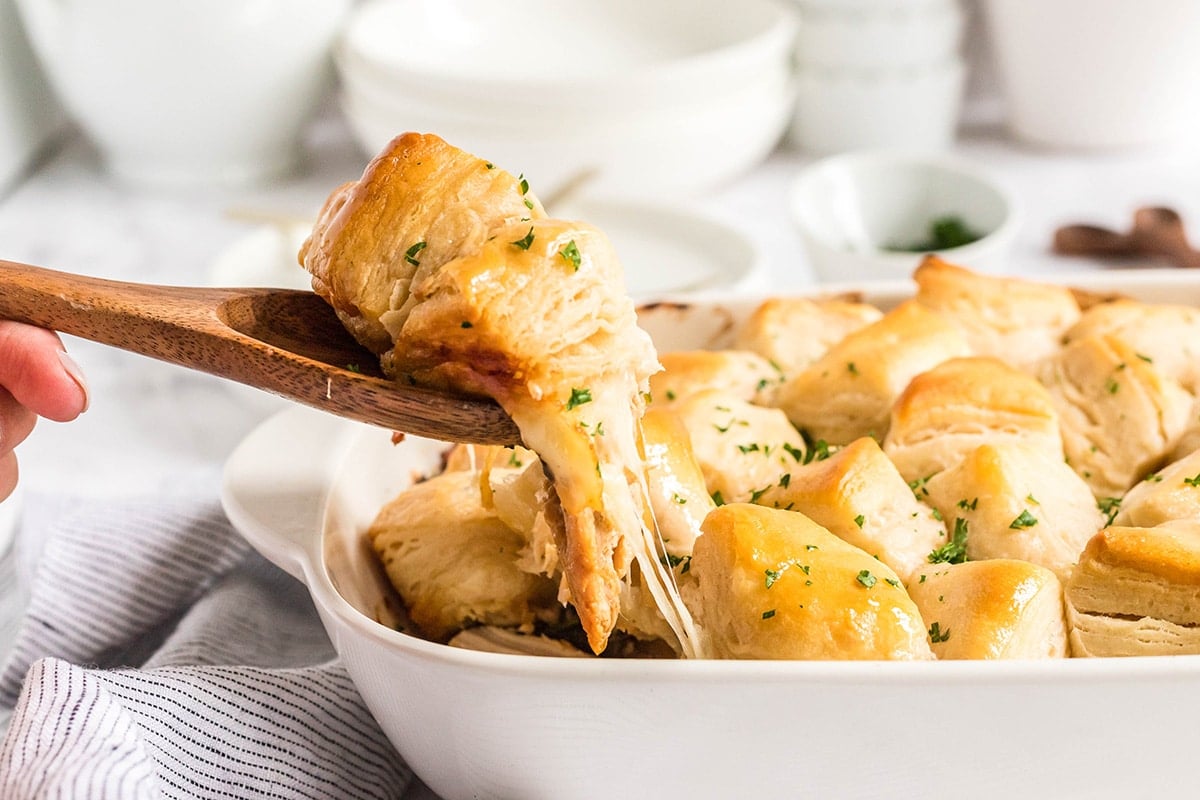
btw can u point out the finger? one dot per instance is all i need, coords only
(38, 372)
(16, 421)
(8, 474)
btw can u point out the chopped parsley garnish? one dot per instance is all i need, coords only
(768, 614)
(579, 397)
(410, 255)
(1111, 386)
(955, 550)
(466, 324)
(570, 254)
(717, 498)
(1023, 520)
(772, 576)
(811, 547)
(866, 578)
(918, 486)
(678, 498)
(944, 233)
(513, 461)
(937, 635)
(793, 451)
(1193, 481)
(1153, 477)
(489, 165)
(936, 515)
(819, 451)
(524, 242)
(1109, 506)
(755, 494)
(859, 520)
(354, 368)
(968, 505)
(893, 582)
(748, 448)
(524, 184)
(785, 480)
(853, 370)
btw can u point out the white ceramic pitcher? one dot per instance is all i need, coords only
(189, 91)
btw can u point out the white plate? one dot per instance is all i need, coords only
(667, 250)
(662, 249)
(304, 487)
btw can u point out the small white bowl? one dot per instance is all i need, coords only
(853, 210)
(912, 108)
(879, 35)
(553, 89)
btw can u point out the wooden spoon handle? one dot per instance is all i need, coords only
(164, 322)
(1092, 240)
(285, 342)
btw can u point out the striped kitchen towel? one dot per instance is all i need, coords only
(159, 657)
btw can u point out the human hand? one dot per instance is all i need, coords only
(37, 378)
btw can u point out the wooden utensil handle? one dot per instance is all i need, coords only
(158, 321)
(282, 341)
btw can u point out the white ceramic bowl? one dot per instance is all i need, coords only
(304, 486)
(552, 89)
(851, 209)
(915, 107)
(189, 93)
(1099, 73)
(868, 36)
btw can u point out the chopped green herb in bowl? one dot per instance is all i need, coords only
(945, 232)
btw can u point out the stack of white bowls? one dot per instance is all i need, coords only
(877, 73)
(645, 98)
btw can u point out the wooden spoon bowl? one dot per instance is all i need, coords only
(283, 341)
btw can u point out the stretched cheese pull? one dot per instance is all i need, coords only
(527, 310)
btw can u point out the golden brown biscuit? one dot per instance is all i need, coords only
(1118, 414)
(742, 449)
(857, 494)
(996, 609)
(962, 403)
(774, 584)
(454, 562)
(738, 373)
(420, 204)
(1165, 335)
(1136, 592)
(793, 332)
(1171, 493)
(1188, 441)
(479, 292)
(1010, 500)
(1015, 320)
(678, 493)
(848, 393)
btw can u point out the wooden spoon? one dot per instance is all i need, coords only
(283, 341)
(1157, 232)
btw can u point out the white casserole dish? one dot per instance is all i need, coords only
(304, 486)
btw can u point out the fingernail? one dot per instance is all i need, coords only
(76, 374)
